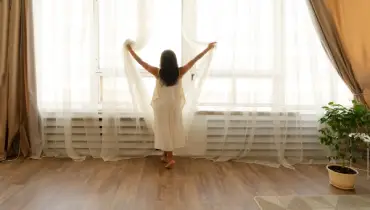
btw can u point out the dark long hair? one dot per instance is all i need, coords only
(169, 69)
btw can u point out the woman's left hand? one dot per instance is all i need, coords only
(212, 45)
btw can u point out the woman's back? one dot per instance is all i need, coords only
(169, 95)
(167, 103)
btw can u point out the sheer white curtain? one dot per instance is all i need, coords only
(137, 25)
(64, 63)
(271, 67)
(86, 92)
(267, 80)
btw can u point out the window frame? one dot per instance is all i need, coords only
(277, 78)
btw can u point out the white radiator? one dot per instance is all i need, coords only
(257, 135)
(85, 135)
(262, 134)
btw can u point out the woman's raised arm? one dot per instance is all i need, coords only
(151, 69)
(191, 63)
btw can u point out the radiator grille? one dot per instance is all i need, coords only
(261, 134)
(85, 135)
(250, 134)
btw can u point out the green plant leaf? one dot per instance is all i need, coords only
(338, 122)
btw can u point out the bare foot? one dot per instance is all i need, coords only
(170, 164)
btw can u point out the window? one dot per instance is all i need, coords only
(267, 54)
(117, 21)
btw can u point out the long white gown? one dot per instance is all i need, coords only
(167, 103)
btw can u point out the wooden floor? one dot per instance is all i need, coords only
(143, 184)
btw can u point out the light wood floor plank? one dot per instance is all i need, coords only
(60, 184)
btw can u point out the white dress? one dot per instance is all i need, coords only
(167, 103)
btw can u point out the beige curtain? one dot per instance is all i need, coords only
(342, 25)
(19, 121)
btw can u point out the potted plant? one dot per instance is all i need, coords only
(340, 125)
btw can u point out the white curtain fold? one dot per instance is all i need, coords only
(254, 99)
(64, 60)
(36, 141)
(140, 97)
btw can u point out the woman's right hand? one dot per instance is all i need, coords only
(212, 45)
(128, 46)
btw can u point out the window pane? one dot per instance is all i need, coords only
(166, 31)
(217, 24)
(344, 95)
(254, 91)
(115, 91)
(243, 30)
(216, 91)
(118, 22)
(310, 78)
(254, 47)
(63, 46)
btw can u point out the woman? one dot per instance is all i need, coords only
(168, 101)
